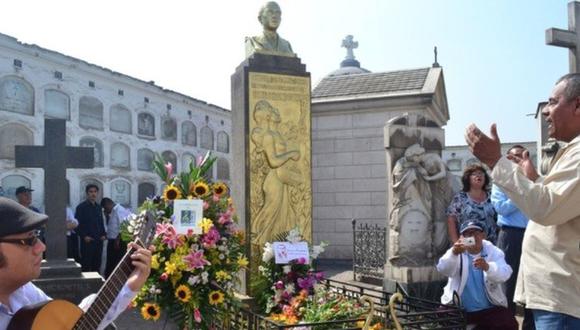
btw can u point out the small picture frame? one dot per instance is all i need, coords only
(188, 214)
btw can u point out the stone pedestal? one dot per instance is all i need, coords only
(271, 172)
(64, 280)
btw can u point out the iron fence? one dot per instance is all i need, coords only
(396, 311)
(369, 252)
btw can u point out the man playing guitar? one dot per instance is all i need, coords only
(20, 257)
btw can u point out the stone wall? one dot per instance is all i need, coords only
(106, 109)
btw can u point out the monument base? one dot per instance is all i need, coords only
(64, 279)
(421, 282)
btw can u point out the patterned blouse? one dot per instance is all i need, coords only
(463, 208)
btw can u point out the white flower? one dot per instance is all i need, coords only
(294, 236)
(287, 269)
(152, 289)
(268, 252)
(318, 249)
(204, 277)
(193, 280)
(290, 288)
(221, 256)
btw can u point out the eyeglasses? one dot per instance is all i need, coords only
(30, 241)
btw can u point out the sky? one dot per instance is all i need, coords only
(496, 64)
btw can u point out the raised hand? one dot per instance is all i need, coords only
(486, 148)
(526, 164)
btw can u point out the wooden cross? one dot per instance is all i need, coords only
(568, 38)
(55, 157)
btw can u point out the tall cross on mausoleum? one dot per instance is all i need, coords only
(349, 44)
(568, 38)
(55, 157)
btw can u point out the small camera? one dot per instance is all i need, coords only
(469, 241)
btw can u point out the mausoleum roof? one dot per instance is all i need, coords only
(369, 84)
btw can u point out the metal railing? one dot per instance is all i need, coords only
(369, 252)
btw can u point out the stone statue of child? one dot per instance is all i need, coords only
(269, 42)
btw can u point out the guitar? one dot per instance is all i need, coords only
(63, 315)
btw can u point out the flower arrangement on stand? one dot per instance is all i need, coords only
(193, 275)
(292, 294)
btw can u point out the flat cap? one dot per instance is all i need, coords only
(15, 218)
(22, 189)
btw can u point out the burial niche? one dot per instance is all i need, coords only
(120, 156)
(223, 169)
(223, 142)
(12, 135)
(120, 119)
(206, 136)
(146, 124)
(187, 159)
(97, 145)
(145, 159)
(56, 104)
(90, 113)
(16, 95)
(121, 192)
(169, 128)
(188, 133)
(146, 190)
(11, 182)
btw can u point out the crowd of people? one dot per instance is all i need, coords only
(520, 237)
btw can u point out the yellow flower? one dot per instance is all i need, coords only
(200, 189)
(183, 293)
(220, 188)
(243, 261)
(216, 297)
(155, 262)
(206, 225)
(150, 311)
(170, 268)
(171, 192)
(222, 276)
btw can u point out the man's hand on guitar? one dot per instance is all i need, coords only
(142, 262)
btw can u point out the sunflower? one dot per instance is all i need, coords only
(220, 188)
(200, 189)
(171, 192)
(216, 297)
(150, 311)
(183, 293)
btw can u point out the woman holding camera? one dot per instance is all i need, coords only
(473, 202)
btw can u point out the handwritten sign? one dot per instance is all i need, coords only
(284, 252)
(188, 214)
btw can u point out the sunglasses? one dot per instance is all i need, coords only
(30, 241)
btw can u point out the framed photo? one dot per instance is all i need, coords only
(188, 214)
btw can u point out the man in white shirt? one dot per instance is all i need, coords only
(20, 257)
(116, 248)
(549, 276)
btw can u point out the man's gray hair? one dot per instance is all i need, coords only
(572, 89)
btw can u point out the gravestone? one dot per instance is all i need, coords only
(146, 125)
(188, 134)
(60, 277)
(16, 95)
(419, 189)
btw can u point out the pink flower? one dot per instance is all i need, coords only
(197, 315)
(172, 239)
(279, 285)
(205, 205)
(163, 229)
(216, 198)
(169, 169)
(164, 277)
(306, 283)
(195, 260)
(211, 237)
(225, 218)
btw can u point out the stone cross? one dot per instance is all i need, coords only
(55, 157)
(349, 44)
(568, 38)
